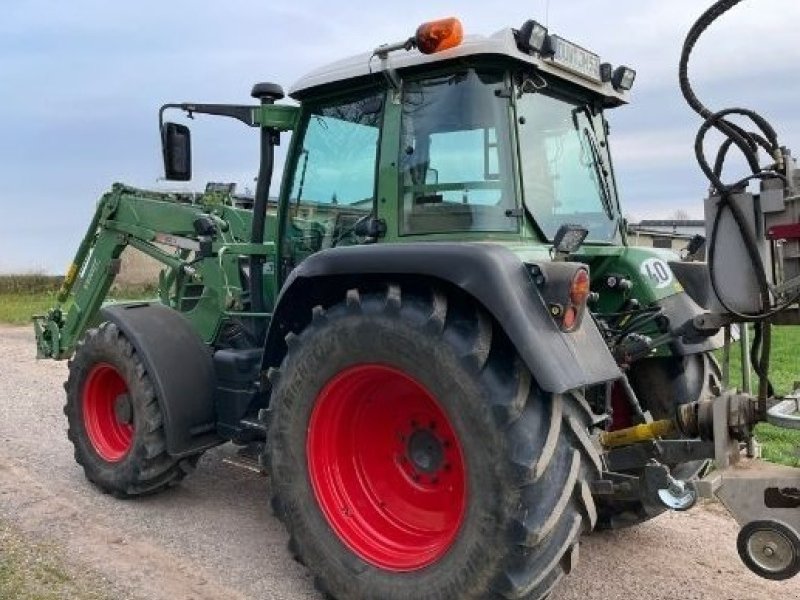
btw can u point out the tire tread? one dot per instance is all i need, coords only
(549, 454)
(153, 469)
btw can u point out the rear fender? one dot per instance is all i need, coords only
(490, 273)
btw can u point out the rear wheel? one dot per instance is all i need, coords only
(412, 455)
(115, 422)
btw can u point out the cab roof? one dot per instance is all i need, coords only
(500, 44)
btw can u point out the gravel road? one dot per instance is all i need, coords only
(213, 536)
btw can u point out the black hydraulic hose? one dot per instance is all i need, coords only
(705, 20)
(764, 385)
(748, 144)
(735, 135)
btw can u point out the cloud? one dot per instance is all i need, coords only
(82, 82)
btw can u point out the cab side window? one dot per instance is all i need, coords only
(334, 179)
(456, 156)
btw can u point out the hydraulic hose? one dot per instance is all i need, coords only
(749, 144)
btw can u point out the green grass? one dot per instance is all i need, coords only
(35, 571)
(778, 445)
(784, 361)
(32, 283)
(22, 296)
(16, 309)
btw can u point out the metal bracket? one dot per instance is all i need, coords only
(786, 413)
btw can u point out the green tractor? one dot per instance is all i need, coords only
(436, 341)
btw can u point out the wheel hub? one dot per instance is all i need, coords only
(107, 412)
(123, 409)
(386, 467)
(425, 451)
(771, 550)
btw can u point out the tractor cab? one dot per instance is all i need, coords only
(501, 138)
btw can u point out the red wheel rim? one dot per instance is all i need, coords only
(386, 468)
(111, 438)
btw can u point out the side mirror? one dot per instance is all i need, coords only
(176, 146)
(696, 244)
(370, 227)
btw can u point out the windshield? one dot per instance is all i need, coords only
(455, 156)
(566, 170)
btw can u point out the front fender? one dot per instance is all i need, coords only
(180, 366)
(490, 273)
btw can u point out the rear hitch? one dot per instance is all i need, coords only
(678, 495)
(763, 498)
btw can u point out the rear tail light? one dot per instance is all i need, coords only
(570, 318)
(579, 289)
(569, 314)
(566, 290)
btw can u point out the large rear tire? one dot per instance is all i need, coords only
(413, 457)
(115, 422)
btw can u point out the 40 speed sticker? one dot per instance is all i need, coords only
(658, 272)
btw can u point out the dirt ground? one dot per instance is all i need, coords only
(213, 536)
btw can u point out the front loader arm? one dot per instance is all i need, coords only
(201, 248)
(85, 286)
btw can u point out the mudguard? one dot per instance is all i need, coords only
(181, 368)
(694, 278)
(490, 273)
(680, 308)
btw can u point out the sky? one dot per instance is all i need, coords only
(81, 83)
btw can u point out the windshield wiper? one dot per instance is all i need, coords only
(602, 173)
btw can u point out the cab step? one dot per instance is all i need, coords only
(247, 458)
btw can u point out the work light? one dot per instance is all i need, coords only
(532, 37)
(623, 78)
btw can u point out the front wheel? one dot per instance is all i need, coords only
(115, 421)
(413, 457)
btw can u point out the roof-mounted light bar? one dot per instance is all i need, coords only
(534, 38)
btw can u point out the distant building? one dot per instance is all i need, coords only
(672, 234)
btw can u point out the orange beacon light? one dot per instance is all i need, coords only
(435, 36)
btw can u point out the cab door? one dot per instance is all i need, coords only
(332, 175)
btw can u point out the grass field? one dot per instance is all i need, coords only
(24, 295)
(17, 309)
(778, 445)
